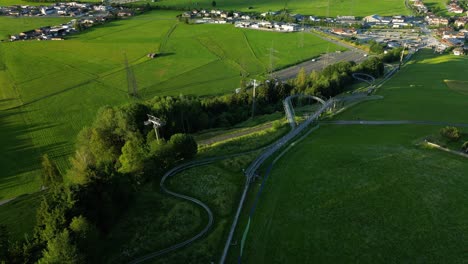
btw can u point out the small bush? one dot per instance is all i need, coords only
(276, 125)
(465, 147)
(451, 133)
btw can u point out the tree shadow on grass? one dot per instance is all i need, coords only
(20, 158)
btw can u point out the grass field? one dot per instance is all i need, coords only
(359, 8)
(51, 89)
(457, 86)
(19, 216)
(362, 194)
(419, 92)
(371, 193)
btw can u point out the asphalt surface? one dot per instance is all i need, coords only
(320, 63)
(352, 54)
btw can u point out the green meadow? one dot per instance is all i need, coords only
(359, 8)
(371, 193)
(362, 194)
(420, 92)
(51, 89)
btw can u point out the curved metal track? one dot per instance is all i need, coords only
(364, 77)
(252, 169)
(289, 109)
(171, 173)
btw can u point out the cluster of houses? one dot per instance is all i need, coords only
(59, 9)
(71, 9)
(433, 20)
(239, 19)
(266, 25)
(57, 32)
(389, 21)
(87, 15)
(450, 38)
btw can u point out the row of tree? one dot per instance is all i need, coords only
(335, 78)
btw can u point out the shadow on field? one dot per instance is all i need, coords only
(92, 29)
(18, 154)
(165, 54)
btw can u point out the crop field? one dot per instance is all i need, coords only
(51, 89)
(359, 8)
(371, 193)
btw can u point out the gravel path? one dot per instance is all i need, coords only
(240, 133)
(6, 201)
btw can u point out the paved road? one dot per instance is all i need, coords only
(352, 54)
(320, 63)
(393, 122)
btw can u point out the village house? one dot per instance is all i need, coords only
(347, 20)
(314, 19)
(454, 7)
(125, 13)
(344, 31)
(458, 52)
(47, 11)
(461, 21)
(453, 34)
(372, 19)
(437, 21)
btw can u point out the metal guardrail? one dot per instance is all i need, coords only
(252, 169)
(289, 110)
(359, 76)
(171, 173)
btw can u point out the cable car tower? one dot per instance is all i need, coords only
(157, 123)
